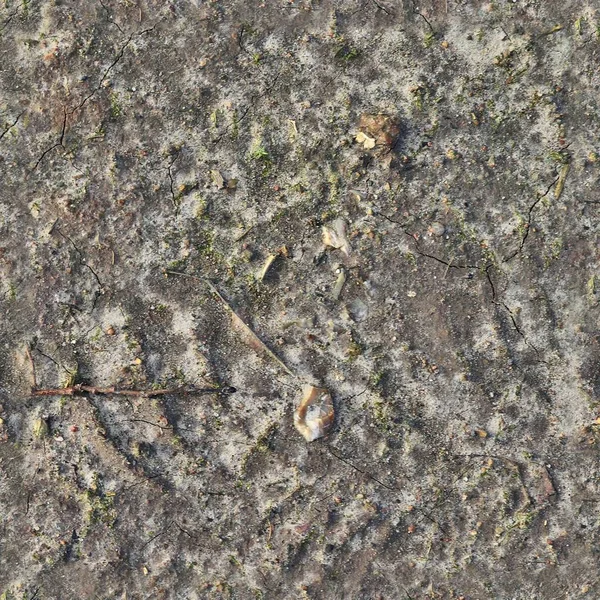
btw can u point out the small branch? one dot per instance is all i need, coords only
(79, 389)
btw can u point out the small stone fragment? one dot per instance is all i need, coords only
(358, 310)
(437, 229)
(110, 330)
(314, 416)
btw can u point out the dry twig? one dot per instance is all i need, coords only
(78, 389)
(251, 338)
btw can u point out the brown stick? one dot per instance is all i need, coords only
(90, 389)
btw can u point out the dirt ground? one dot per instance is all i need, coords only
(154, 153)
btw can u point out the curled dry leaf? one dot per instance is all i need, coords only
(365, 140)
(339, 284)
(382, 129)
(334, 236)
(217, 178)
(266, 266)
(314, 416)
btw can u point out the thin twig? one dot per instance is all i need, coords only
(78, 389)
(254, 341)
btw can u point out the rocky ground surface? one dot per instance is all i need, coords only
(151, 149)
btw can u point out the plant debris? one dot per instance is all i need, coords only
(266, 266)
(365, 140)
(217, 178)
(334, 236)
(221, 182)
(248, 335)
(78, 389)
(339, 284)
(377, 130)
(560, 184)
(314, 416)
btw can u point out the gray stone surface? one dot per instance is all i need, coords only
(140, 138)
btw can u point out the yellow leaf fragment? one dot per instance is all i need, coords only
(365, 140)
(560, 184)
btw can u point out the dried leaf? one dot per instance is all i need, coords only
(217, 178)
(334, 236)
(339, 284)
(265, 269)
(254, 341)
(560, 184)
(314, 416)
(365, 140)
(383, 129)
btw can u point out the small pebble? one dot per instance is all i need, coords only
(437, 228)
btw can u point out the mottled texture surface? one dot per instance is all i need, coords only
(139, 138)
